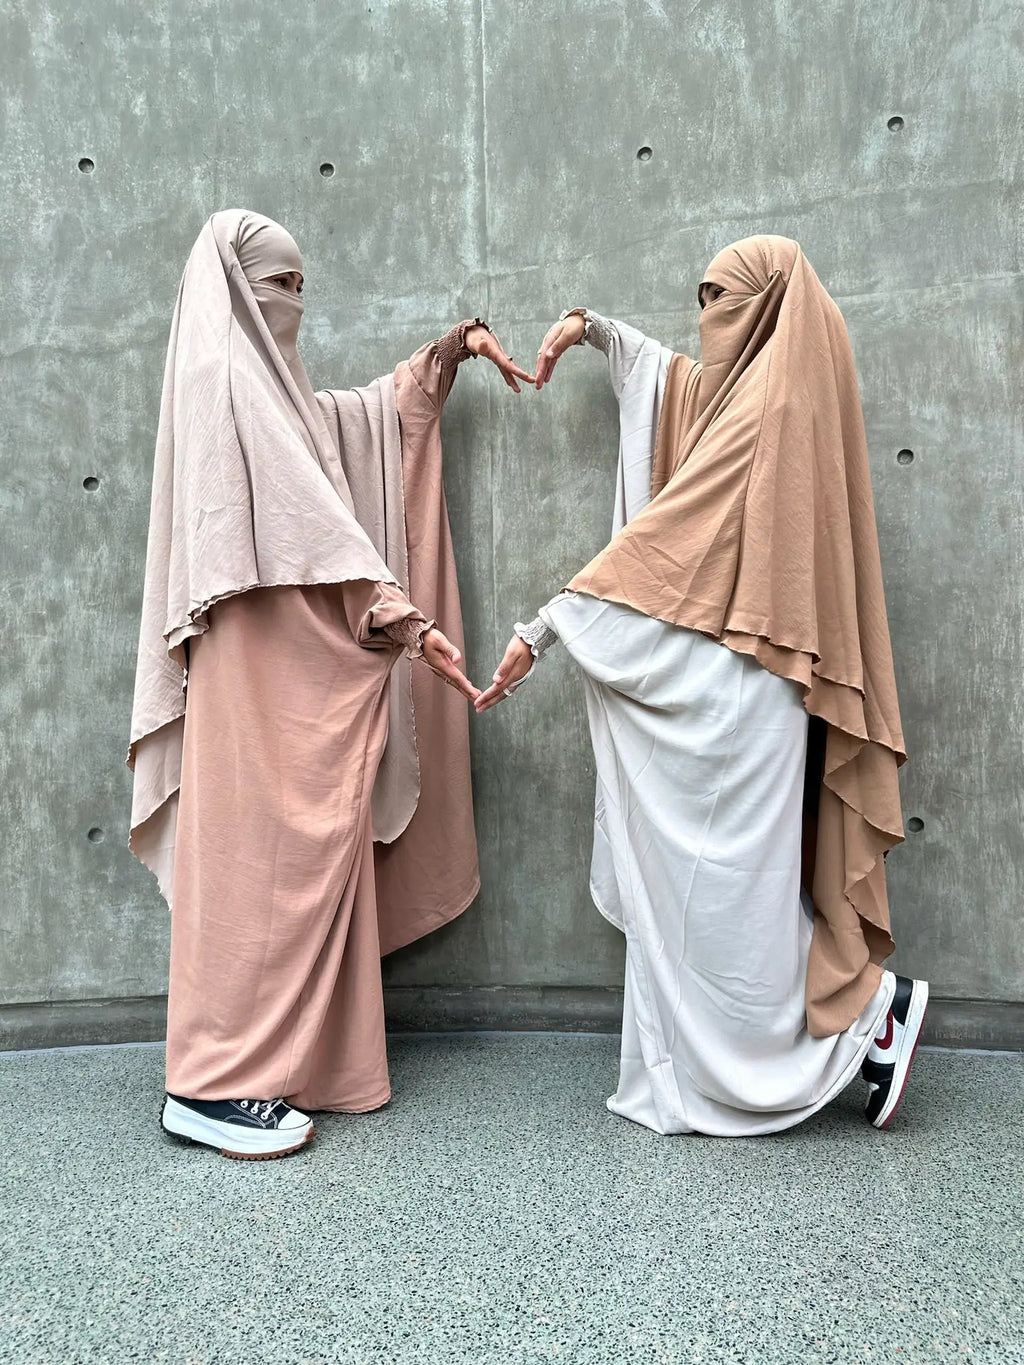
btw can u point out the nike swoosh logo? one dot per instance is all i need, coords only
(885, 1039)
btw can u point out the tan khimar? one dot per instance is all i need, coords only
(251, 489)
(761, 533)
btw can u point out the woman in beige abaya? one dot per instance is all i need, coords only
(299, 553)
(737, 614)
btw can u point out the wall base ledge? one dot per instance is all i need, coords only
(992, 1025)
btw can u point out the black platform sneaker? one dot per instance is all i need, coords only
(887, 1065)
(251, 1130)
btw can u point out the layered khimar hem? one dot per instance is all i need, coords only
(259, 483)
(761, 533)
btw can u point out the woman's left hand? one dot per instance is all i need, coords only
(482, 342)
(442, 657)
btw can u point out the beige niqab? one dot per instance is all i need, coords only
(761, 533)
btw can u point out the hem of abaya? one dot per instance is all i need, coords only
(367, 1107)
(779, 1123)
(436, 921)
(615, 921)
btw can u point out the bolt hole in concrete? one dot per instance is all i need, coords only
(915, 825)
(91, 483)
(87, 165)
(327, 170)
(644, 154)
(904, 457)
(95, 835)
(895, 124)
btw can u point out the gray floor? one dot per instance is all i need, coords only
(496, 1212)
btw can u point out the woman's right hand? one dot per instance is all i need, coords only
(559, 339)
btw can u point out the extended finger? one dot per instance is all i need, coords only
(545, 369)
(548, 359)
(546, 362)
(493, 695)
(510, 371)
(460, 682)
(492, 350)
(505, 683)
(509, 367)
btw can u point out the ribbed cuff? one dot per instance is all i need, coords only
(538, 635)
(408, 633)
(452, 349)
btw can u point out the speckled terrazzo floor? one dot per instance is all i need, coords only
(496, 1212)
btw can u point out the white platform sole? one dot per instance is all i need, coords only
(231, 1139)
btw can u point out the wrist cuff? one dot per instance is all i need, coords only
(408, 633)
(538, 635)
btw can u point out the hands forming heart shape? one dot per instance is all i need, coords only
(439, 653)
(558, 340)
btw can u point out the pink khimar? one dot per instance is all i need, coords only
(251, 489)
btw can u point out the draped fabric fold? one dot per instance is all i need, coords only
(425, 857)
(364, 427)
(260, 483)
(761, 534)
(430, 873)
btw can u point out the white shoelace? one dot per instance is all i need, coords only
(263, 1109)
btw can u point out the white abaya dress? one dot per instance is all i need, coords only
(700, 758)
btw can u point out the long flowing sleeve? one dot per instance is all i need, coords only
(388, 441)
(637, 367)
(434, 366)
(381, 616)
(621, 343)
(429, 874)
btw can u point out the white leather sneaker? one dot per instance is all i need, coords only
(250, 1130)
(886, 1068)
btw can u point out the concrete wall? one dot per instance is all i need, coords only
(486, 159)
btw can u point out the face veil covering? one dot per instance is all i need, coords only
(264, 249)
(761, 534)
(282, 312)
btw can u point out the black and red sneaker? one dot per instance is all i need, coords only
(887, 1065)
